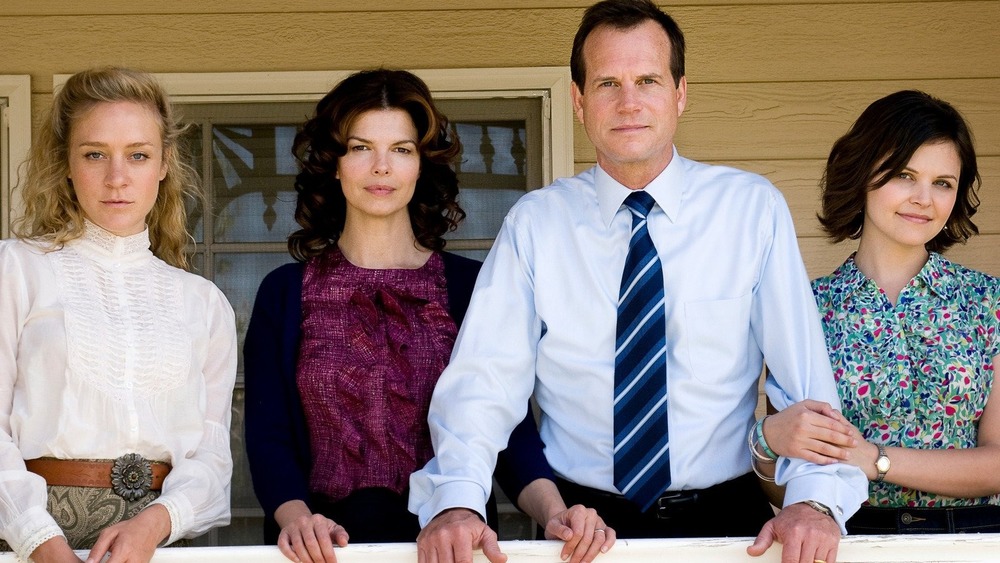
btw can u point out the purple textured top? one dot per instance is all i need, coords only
(374, 343)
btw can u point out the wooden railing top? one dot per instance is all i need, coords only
(858, 549)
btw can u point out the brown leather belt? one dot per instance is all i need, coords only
(88, 473)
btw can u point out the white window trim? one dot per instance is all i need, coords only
(552, 84)
(17, 119)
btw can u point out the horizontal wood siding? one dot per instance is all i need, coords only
(772, 83)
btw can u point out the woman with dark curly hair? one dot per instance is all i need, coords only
(914, 339)
(345, 346)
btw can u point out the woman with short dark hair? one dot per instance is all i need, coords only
(914, 339)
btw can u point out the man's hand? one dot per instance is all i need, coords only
(452, 535)
(584, 532)
(806, 535)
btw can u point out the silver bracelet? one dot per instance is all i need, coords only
(752, 444)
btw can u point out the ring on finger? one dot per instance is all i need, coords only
(601, 530)
(819, 560)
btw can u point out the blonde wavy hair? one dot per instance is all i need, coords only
(53, 215)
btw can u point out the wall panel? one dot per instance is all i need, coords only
(772, 82)
(727, 43)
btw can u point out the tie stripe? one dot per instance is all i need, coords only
(641, 452)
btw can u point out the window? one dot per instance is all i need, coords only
(15, 138)
(515, 126)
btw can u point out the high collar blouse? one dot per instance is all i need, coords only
(107, 350)
(917, 373)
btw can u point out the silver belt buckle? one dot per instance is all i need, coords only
(131, 476)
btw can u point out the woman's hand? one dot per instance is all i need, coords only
(54, 550)
(133, 540)
(813, 431)
(308, 537)
(584, 531)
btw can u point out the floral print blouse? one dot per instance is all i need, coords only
(916, 374)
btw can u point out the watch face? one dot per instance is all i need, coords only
(882, 464)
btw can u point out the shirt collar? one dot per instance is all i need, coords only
(938, 275)
(110, 244)
(667, 189)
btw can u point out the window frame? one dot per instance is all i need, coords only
(551, 84)
(16, 120)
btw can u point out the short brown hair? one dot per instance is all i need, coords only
(878, 147)
(625, 14)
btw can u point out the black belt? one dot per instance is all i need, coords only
(672, 504)
(947, 520)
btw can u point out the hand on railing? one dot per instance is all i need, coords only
(306, 537)
(584, 531)
(453, 534)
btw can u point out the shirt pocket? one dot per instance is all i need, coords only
(716, 338)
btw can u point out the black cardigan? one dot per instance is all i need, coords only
(277, 440)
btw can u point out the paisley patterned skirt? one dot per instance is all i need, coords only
(83, 512)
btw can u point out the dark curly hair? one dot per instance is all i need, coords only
(321, 208)
(878, 147)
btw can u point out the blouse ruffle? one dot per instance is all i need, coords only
(374, 344)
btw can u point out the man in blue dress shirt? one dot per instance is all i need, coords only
(543, 319)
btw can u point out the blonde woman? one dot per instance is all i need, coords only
(116, 365)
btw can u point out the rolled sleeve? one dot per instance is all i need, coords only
(787, 324)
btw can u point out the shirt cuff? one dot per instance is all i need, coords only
(842, 489)
(31, 529)
(177, 515)
(453, 494)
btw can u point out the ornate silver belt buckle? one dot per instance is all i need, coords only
(131, 476)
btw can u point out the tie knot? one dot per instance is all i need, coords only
(640, 203)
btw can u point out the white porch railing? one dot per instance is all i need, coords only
(965, 548)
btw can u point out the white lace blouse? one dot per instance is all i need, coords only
(107, 350)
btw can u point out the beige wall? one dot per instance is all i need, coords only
(772, 84)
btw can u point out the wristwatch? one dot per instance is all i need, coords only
(882, 464)
(818, 507)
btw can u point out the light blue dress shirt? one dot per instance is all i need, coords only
(542, 320)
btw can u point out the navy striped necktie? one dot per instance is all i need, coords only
(642, 459)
